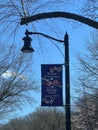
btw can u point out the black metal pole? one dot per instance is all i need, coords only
(67, 84)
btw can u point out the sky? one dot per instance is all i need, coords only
(45, 50)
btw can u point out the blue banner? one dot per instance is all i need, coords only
(51, 82)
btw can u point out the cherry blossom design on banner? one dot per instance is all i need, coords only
(51, 82)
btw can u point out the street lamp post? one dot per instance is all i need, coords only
(27, 48)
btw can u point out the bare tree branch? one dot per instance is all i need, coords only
(67, 15)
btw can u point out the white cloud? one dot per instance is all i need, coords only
(9, 74)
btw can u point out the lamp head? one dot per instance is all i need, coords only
(27, 48)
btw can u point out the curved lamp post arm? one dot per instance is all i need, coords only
(67, 15)
(27, 47)
(42, 34)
